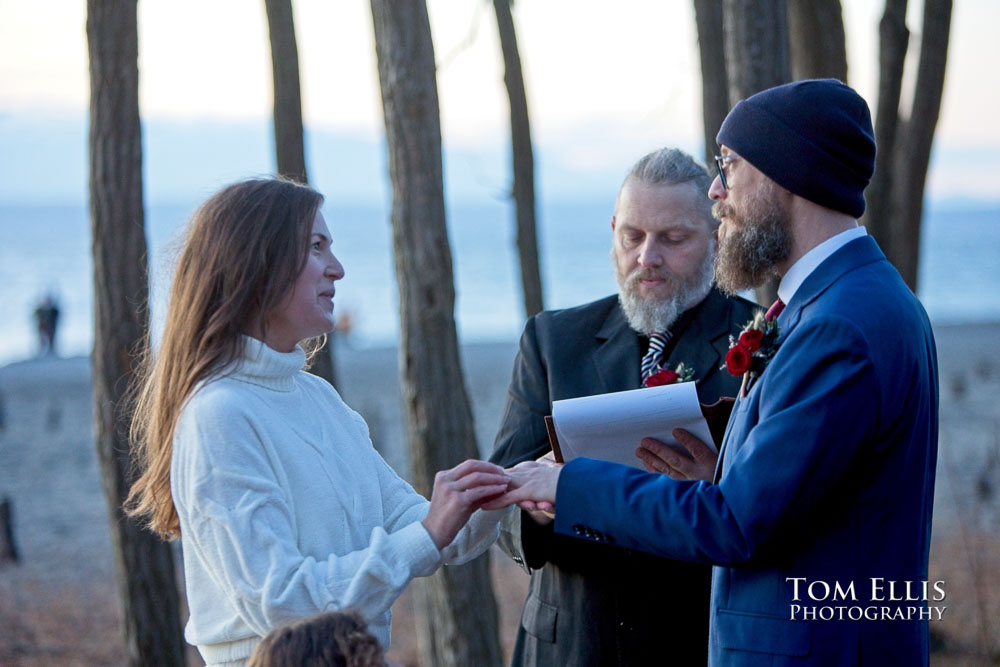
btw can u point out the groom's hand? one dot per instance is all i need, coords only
(532, 486)
(698, 463)
(544, 517)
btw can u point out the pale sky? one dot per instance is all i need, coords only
(606, 81)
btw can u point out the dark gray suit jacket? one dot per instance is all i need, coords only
(594, 604)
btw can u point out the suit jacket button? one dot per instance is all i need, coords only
(578, 529)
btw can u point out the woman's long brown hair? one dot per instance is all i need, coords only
(244, 249)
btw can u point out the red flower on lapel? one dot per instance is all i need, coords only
(756, 345)
(667, 376)
(738, 360)
(751, 339)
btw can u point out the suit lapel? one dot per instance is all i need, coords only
(616, 353)
(847, 258)
(701, 345)
(698, 344)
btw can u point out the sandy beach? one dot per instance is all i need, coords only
(57, 604)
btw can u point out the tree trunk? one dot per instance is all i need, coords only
(715, 102)
(916, 136)
(757, 51)
(757, 57)
(816, 37)
(8, 546)
(458, 625)
(145, 570)
(893, 41)
(523, 161)
(289, 135)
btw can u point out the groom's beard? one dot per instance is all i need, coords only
(753, 244)
(648, 315)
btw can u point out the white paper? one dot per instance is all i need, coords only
(610, 426)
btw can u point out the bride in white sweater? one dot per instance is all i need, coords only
(283, 507)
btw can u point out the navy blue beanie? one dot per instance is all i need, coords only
(813, 138)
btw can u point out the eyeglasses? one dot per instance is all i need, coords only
(720, 164)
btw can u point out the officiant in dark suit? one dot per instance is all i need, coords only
(595, 604)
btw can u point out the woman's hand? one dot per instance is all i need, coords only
(458, 493)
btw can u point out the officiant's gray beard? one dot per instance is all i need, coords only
(647, 315)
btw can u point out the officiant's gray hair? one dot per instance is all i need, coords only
(672, 166)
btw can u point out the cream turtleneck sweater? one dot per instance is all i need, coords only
(287, 510)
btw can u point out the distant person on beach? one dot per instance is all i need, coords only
(332, 639)
(47, 323)
(593, 604)
(818, 516)
(282, 504)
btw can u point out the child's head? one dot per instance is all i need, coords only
(332, 639)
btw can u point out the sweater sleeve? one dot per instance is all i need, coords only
(476, 536)
(238, 522)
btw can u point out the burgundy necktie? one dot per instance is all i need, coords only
(775, 310)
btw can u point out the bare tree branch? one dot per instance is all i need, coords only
(893, 41)
(523, 160)
(916, 137)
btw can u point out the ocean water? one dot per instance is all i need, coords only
(46, 249)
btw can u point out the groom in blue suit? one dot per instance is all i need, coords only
(818, 518)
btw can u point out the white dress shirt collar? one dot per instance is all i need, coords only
(806, 264)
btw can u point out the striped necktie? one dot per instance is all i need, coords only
(653, 357)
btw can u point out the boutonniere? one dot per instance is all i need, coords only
(664, 376)
(750, 353)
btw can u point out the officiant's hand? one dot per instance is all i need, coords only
(532, 486)
(658, 457)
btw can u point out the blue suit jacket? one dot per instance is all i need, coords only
(827, 474)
